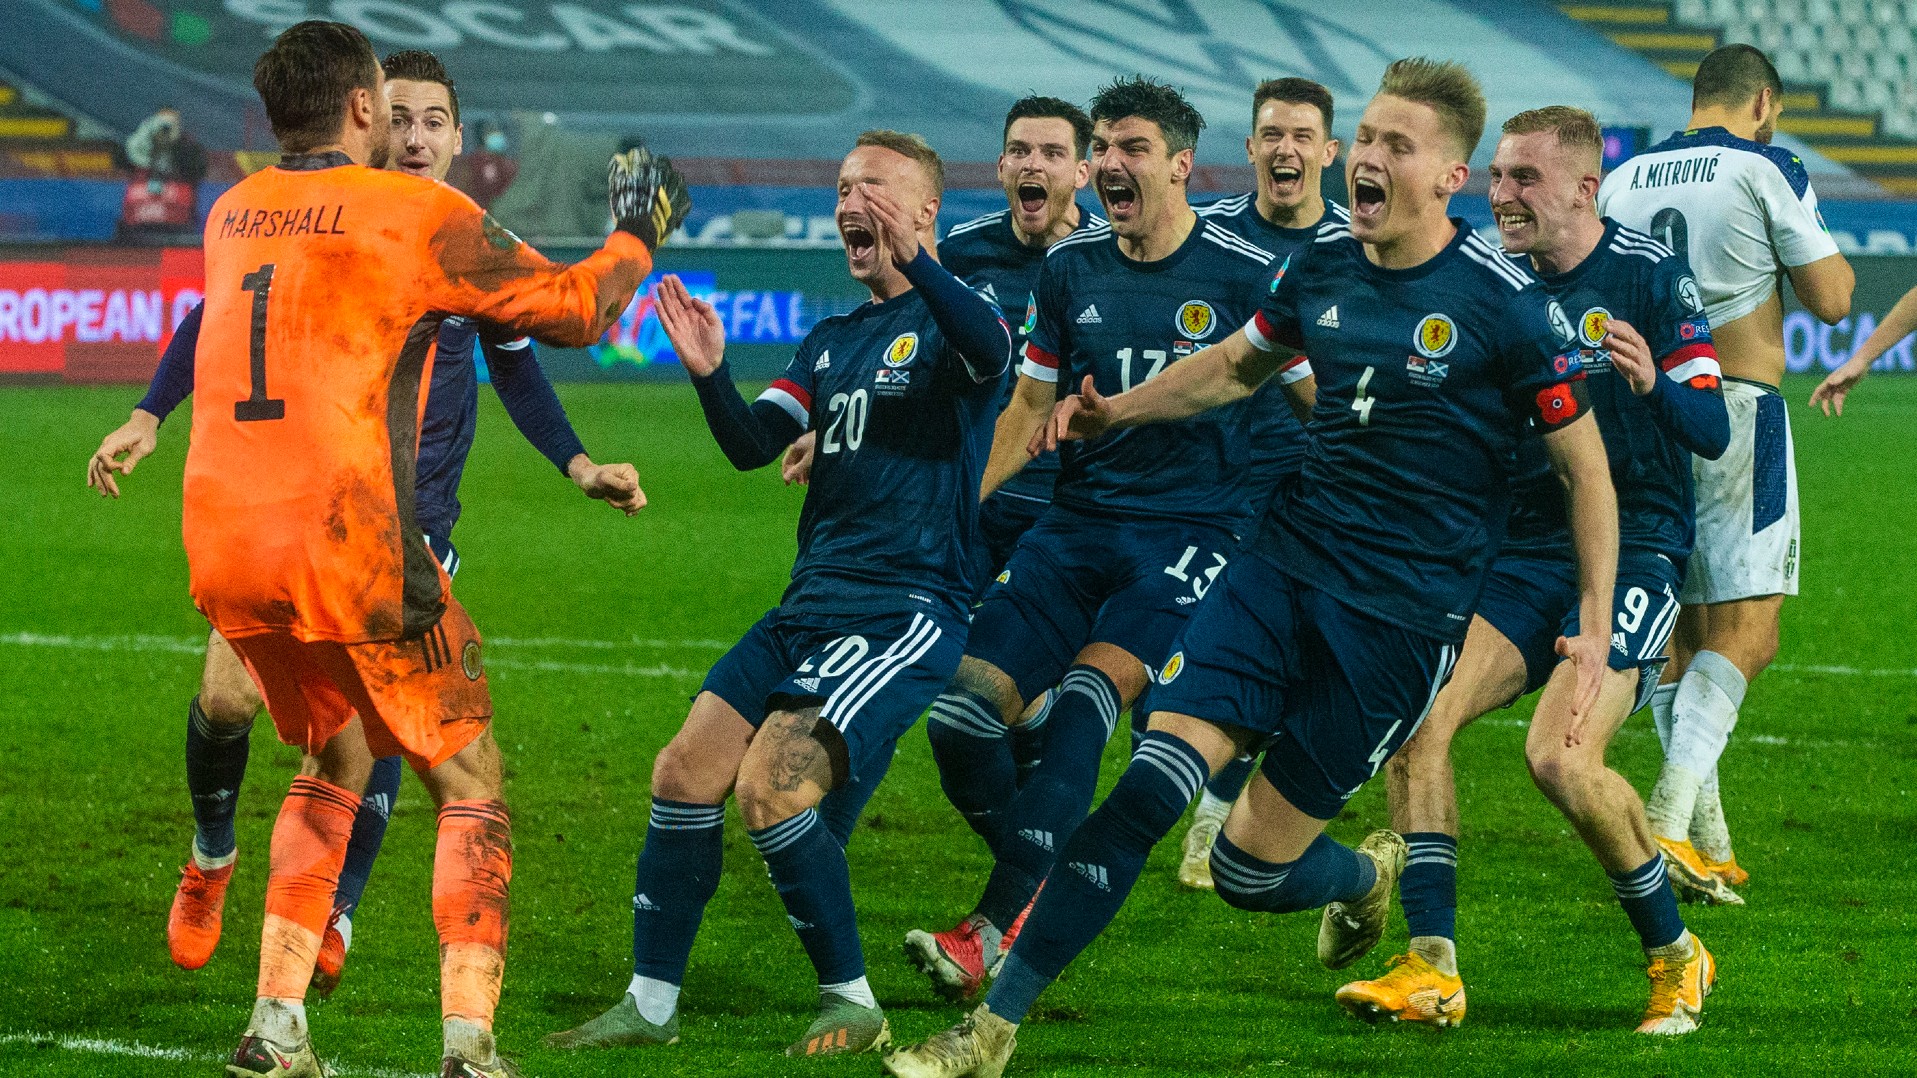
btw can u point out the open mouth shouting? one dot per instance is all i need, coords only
(1367, 200)
(1287, 181)
(861, 246)
(1032, 197)
(416, 164)
(1118, 194)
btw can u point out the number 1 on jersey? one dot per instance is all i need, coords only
(258, 406)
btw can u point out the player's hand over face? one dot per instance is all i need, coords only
(1830, 392)
(121, 451)
(693, 327)
(647, 195)
(896, 231)
(796, 467)
(1631, 356)
(1085, 414)
(615, 484)
(1589, 653)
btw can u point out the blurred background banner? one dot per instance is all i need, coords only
(122, 121)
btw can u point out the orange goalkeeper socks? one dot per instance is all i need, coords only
(309, 845)
(472, 866)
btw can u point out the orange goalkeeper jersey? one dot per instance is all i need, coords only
(326, 282)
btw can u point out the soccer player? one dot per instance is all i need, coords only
(1341, 620)
(1140, 523)
(426, 137)
(326, 284)
(1742, 211)
(1042, 167)
(1290, 146)
(1652, 380)
(902, 392)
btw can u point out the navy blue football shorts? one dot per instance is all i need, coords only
(1077, 580)
(1643, 613)
(1003, 519)
(1334, 690)
(444, 553)
(1524, 598)
(872, 676)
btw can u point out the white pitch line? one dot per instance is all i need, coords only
(1844, 671)
(605, 645)
(137, 1050)
(494, 662)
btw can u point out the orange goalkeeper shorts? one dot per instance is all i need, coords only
(424, 698)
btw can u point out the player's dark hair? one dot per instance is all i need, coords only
(1149, 99)
(1576, 129)
(305, 78)
(418, 65)
(1036, 107)
(1292, 91)
(1447, 88)
(1732, 75)
(914, 147)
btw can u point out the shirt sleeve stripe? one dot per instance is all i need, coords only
(1686, 354)
(792, 397)
(1039, 364)
(1260, 333)
(1297, 370)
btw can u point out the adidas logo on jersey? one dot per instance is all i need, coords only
(641, 902)
(1329, 319)
(824, 361)
(1089, 316)
(1041, 839)
(809, 684)
(1618, 645)
(1094, 874)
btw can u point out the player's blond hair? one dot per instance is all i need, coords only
(1448, 89)
(1577, 131)
(914, 147)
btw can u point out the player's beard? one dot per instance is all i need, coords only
(380, 154)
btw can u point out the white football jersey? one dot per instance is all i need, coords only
(1739, 210)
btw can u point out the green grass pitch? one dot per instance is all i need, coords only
(602, 626)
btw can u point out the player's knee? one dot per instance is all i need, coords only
(678, 776)
(1560, 773)
(763, 803)
(229, 704)
(982, 680)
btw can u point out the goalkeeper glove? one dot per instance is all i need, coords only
(649, 197)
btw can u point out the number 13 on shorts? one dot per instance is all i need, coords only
(1200, 579)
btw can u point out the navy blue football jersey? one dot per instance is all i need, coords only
(1426, 379)
(890, 520)
(446, 430)
(1122, 322)
(1631, 277)
(986, 253)
(1277, 438)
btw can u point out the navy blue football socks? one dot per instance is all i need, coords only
(1429, 886)
(1097, 869)
(215, 767)
(974, 756)
(678, 874)
(1056, 797)
(808, 868)
(1231, 778)
(369, 830)
(1328, 871)
(1648, 901)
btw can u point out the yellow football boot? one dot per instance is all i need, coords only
(1678, 988)
(1692, 875)
(1412, 990)
(1728, 871)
